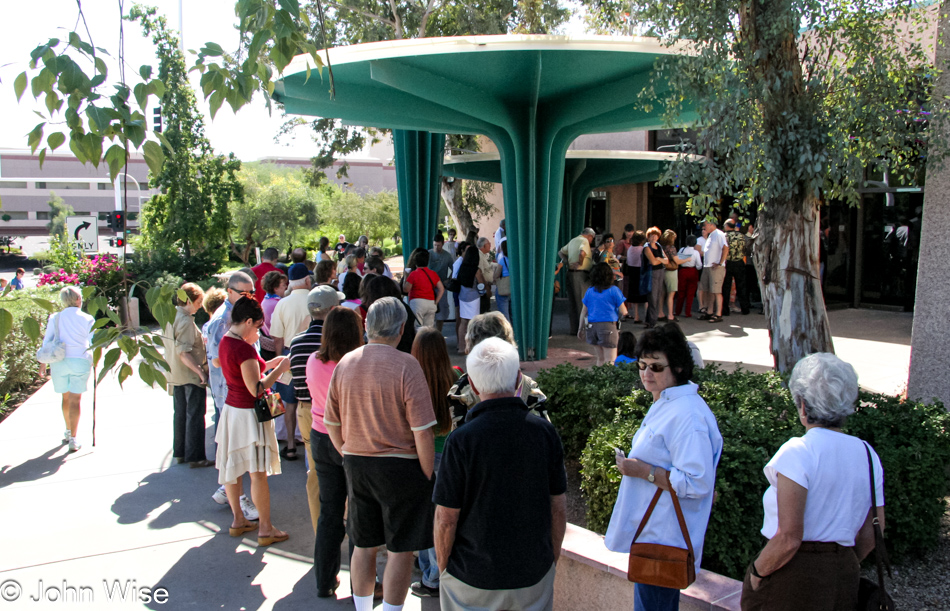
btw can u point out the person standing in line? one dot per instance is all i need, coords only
(430, 350)
(715, 254)
(342, 333)
(320, 300)
(688, 277)
(603, 307)
(735, 270)
(671, 275)
(498, 538)
(388, 454)
(268, 259)
(73, 328)
(605, 254)
(470, 277)
(655, 258)
(488, 274)
(425, 290)
(322, 250)
(440, 262)
(325, 273)
(244, 444)
(634, 263)
(275, 287)
(451, 245)
(187, 377)
(500, 235)
(576, 254)
(341, 247)
(819, 519)
(677, 450)
(17, 282)
(620, 251)
(502, 281)
(239, 285)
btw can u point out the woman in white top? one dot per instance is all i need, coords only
(677, 449)
(818, 517)
(688, 280)
(73, 328)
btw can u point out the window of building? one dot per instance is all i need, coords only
(105, 186)
(13, 184)
(13, 215)
(42, 216)
(63, 186)
(81, 213)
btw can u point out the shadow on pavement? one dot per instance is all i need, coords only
(44, 465)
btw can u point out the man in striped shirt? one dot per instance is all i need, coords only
(320, 301)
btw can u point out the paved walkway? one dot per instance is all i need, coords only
(121, 510)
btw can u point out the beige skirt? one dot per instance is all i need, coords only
(244, 445)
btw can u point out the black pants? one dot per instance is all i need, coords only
(735, 270)
(190, 406)
(331, 526)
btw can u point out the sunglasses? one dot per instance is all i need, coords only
(248, 294)
(654, 367)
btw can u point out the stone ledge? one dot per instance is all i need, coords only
(710, 591)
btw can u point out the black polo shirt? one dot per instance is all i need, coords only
(501, 470)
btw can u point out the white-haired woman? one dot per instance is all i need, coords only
(70, 376)
(818, 517)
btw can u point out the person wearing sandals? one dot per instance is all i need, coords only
(632, 272)
(671, 277)
(715, 255)
(70, 376)
(676, 449)
(818, 518)
(244, 444)
(603, 305)
(187, 379)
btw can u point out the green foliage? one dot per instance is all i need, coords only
(191, 216)
(756, 416)
(58, 211)
(375, 215)
(580, 400)
(278, 208)
(63, 254)
(23, 316)
(913, 441)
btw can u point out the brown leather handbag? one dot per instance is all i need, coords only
(662, 565)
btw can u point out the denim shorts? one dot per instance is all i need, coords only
(70, 375)
(286, 392)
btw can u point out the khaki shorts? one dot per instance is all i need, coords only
(711, 280)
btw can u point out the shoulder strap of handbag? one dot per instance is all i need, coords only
(58, 336)
(679, 518)
(429, 278)
(880, 553)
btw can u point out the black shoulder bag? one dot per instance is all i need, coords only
(872, 596)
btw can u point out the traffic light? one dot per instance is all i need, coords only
(117, 221)
(157, 116)
(119, 242)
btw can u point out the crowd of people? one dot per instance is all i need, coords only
(462, 468)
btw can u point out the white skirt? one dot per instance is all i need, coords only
(244, 445)
(469, 309)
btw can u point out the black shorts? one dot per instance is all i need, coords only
(390, 502)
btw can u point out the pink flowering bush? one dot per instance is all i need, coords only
(103, 271)
(60, 277)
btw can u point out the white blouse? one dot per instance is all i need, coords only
(678, 434)
(833, 467)
(75, 331)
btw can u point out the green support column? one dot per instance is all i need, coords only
(418, 172)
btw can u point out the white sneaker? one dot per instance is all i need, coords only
(74, 445)
(220, 496)
(67, 435)
(250, 511)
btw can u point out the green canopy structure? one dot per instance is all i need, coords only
(531, 95)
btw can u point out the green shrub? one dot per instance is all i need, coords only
(580, 400)
(18, 365)
(756, 416)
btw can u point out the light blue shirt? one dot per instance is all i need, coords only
(214, 330)
(678, 434)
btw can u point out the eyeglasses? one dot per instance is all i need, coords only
(654, 367)
(248, 294)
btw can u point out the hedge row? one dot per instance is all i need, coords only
(756, 416)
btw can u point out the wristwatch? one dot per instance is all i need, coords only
(651, 477)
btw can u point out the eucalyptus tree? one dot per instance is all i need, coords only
(797, 101)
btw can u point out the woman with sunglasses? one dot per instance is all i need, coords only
(676, 449)
(244, 444)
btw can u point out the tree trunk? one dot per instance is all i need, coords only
(786, 260)
(452, 196)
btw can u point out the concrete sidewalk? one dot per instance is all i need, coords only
(121, 511)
